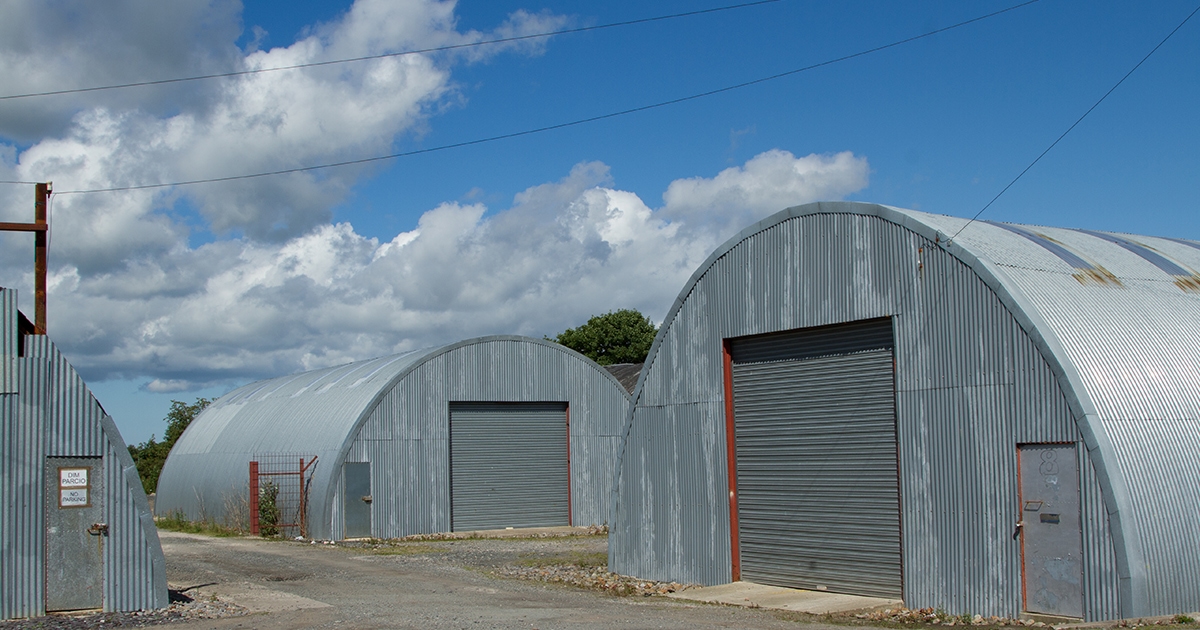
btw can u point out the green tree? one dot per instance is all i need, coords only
(622, 336)
(149, 456)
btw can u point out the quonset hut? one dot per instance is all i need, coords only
(986, 417)
(487, 433)
(75, 529)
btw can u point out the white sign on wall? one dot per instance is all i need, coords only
(73, 497)
(73, 487)
(73, 477)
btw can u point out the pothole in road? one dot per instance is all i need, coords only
(291, 577)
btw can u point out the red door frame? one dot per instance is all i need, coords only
(735, 551)
(570, 511)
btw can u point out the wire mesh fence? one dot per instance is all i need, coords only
(279, 485)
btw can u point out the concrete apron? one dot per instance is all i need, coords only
(761, 596)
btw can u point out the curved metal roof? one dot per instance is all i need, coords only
(317, 413)
(1115, 316)
(311, 412)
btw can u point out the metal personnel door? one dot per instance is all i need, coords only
(357, 503)
(508, 465)
(75, 533)
(1051, 533)
(814, 421)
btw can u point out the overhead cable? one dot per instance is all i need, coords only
(1076, 123)
(314, 64)
(574, 123)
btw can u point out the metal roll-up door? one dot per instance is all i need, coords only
(508, 465)
(815, 444)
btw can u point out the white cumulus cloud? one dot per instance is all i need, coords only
(216, 128)
(770, 181)
(190, 286)
(239, 309)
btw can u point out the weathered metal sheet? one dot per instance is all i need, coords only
(1051, 530)
(23, 455)
(8, 343)
(358, 499)
(999, 341)
(508, 465)
(1135, 364)
(53, 414)
(394, 413)
(74, 502)
(817, 481)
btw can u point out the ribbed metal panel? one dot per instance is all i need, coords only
(52, 414)
(1100, 570)
(394, 413)
(508, 465)
(817, 486)
(8, 342)
(1160, 467)
(675, 494)
(24, 520)
(1136, 363)
(73, 416)
(977, 372)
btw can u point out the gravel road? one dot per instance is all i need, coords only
(433, 584)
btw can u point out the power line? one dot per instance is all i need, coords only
(574, 123)
(1076, 123)
(502, 40)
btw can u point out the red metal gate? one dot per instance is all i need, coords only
(279, 494)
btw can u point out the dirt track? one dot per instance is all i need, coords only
(441, 584)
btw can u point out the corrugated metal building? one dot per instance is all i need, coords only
(985, 417)
(75, 529)
(487, 433)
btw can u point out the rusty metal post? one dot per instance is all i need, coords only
(253, 498)
(39, 227)
(41, 194)
(303, 528)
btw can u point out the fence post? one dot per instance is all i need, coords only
(303, 527)
(253, 498)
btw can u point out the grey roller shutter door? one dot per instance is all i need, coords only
(508, 465)
(815, 436)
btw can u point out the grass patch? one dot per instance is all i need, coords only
(177, 522)
(581, 559)
(392, 547)
(409, 550)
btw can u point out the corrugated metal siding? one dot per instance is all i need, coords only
(1100, 564)
(73, 426)
(508, 465)
(970, 383)
(310, 413)
(1161, 470)
(24, 520)
(54, 414)
(414, 465)
(684, 505)
(8, 342)
(1133, 346)
(817, 480)
(393, 412)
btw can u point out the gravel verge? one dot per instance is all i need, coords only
(594, 578)
(936, 617)
(182, 608)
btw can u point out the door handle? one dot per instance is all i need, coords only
(1017, 531)
(98, 529)
(367, 499)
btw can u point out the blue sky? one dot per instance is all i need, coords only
(189, 291)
